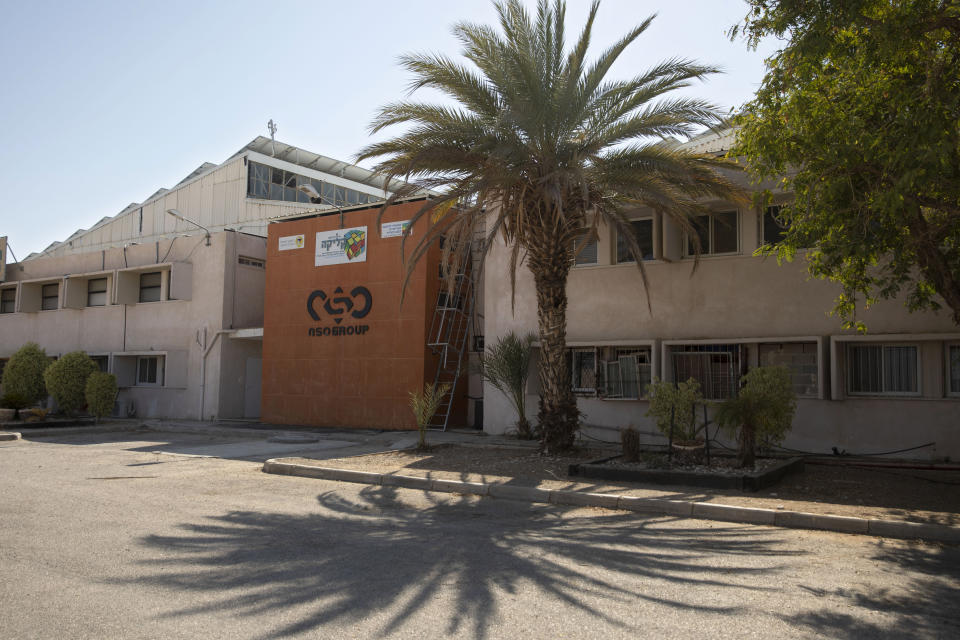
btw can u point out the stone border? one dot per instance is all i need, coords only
(749, 481)
(654, 506)
(9, 435)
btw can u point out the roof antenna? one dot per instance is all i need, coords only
(272, 126)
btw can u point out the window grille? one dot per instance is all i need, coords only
(627, 372)
(800, 358)
(715, 367)
(953, 357)
(584, 370)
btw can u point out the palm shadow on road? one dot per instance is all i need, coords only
(924, 602)
(356, 558)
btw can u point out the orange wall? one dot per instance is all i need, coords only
(347, 380)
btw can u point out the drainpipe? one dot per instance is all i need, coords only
(203, 364)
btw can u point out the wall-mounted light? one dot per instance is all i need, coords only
(179, 216)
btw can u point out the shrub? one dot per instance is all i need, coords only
(101, 392)
(630, 441)
(506, 365)
(677, 403)
(67, 380)
(23, 377)
(763, 410)
(424, 404)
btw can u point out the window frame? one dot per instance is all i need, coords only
(688, 251)
(782, 230)
(158, 286)
(158, 374)
(818, 355)
(586, 241)
(616, 353)
(105, 291)
(581, 390)
(13, 302)
(629, 259)
(947, 346)
(44, 297)
(883, 393)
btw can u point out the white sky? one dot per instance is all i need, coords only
(105, 102)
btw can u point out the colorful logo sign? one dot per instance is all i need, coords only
(341, 246)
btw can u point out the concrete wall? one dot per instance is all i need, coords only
(180, 330)
(738, 299)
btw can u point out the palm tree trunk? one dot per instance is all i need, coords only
(558, 415)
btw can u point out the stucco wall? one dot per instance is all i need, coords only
(179, 329)
(738, 298)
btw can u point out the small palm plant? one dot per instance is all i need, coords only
(424, 404)
(506, 365)
(762, 410)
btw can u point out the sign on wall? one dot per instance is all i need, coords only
(341, 246)
(291, 242)
(337, 306)
(394, 229)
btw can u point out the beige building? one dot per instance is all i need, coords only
(168, 294)
(895, 388)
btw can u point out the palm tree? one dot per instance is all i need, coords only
(540, 148)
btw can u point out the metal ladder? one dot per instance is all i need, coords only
(450, 330)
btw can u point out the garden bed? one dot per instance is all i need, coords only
(46, 423)
(721, 474)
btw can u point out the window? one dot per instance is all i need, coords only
(8, 300)
(627, 372)
(583, 367)
(150, 286)
(247, 261)
(585, 249)
(715, 366)
(102, 362)
(643, 230)
(49, 296)
(953, 369)
(271, 183)
(800, 358)
(879, 369)
(149, 370)
(718, 234)
(773, 227)
(97, 292)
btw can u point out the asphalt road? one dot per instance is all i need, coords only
(100, 537)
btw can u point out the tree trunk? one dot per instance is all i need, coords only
(933, 263)
(748, 445)
(558, 415)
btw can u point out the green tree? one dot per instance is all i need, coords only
(506, 365)
(673, 406)
(859, 112)
(66, 380)
(23, 377)
(762, 410)
(537, 145)
(100, 393)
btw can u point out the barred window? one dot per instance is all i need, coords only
(715, 366)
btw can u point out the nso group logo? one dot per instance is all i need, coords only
(339, 306)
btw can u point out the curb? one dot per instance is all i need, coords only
(656, 506)
(72, 431)
(9, 435)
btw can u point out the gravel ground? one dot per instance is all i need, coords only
(907, 494)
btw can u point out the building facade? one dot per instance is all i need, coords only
(347, 336)
(168, 294)
(896, 388)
